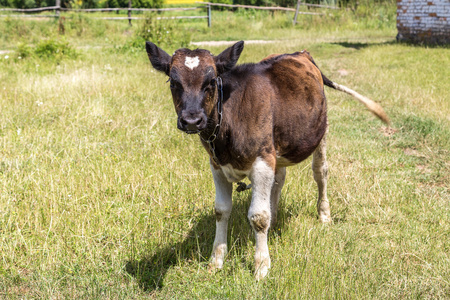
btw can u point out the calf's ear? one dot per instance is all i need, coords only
(226, 60)
(159, 58)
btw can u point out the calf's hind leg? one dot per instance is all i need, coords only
(280, 176)
(320, 170)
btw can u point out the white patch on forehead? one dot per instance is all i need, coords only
(191, 62)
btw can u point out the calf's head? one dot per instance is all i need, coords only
(193, 81)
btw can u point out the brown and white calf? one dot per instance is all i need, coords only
(254, 120)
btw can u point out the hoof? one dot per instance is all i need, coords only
(324, 219)
(261, 272)
(262, 266)
(323, 208)
(215, 266)
(217, 258)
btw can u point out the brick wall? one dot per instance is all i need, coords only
(423, 21)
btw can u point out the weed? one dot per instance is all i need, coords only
(160, 32)
(54, 49)
(47, 49)
(79, 23)
(24, 50)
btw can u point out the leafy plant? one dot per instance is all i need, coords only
(80, 24)
(24, 50)
(164, 33)
(54, 49)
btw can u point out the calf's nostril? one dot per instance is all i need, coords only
(192, 122)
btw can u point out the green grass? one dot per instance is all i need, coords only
(101, 197)
(83, 30)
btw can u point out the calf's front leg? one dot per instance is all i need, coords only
(223, 206)
(262, 178)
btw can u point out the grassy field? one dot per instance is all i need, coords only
(101, 197)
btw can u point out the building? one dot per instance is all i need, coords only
(423, 21)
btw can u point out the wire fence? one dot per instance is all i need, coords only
(33, 12)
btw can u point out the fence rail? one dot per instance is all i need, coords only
(158, 18)
(59, 9)
(30, 16)
(32, 10)
(248, 6)
(206, 5)
(130, 9)
(41, 9)
(272, 8)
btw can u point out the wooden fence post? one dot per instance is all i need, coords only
(129, 12)
(58, 9)
(209, 15)
(296, 11)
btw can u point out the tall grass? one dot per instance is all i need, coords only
(102, 198)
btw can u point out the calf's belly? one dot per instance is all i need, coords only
(283, 162)
(234, 175)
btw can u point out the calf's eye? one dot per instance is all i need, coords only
(173, 84)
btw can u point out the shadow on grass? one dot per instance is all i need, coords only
(358, 46)
(196, 247)
(150, 270)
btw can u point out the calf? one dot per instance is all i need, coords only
(254, 120)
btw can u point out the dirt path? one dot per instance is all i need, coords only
(226, 43)
(200, 44)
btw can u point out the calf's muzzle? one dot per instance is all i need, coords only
(192, 121)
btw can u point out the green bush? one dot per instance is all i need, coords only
(54, 49)
(82, 4)
(24, 3)
(148, 3)
(79, 23)
(50, 49)
(164, 33)
(135, 3)
(24, 50)
(221, 1)
(254, 2)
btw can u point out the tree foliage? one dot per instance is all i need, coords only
(159, 3)
(82, 3)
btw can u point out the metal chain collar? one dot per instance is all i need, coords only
(213, 136)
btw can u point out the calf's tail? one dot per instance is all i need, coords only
(372, 106)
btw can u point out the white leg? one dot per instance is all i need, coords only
(223, 206)
(280, 176)
(320, 170)
(262, 177)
